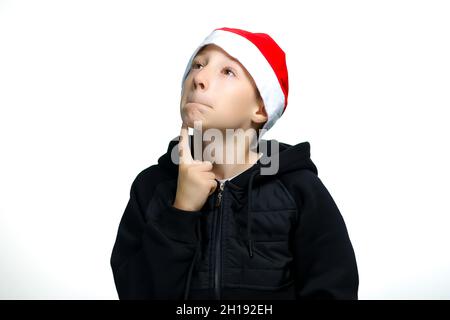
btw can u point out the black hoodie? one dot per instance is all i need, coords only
(258, 236)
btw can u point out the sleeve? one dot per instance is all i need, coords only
(324, 259)
(151, 256)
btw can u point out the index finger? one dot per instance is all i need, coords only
(183, 145)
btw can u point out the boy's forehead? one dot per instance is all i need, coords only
(211, 47)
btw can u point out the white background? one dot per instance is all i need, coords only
(89, 97)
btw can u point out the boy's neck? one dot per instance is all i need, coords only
(225, 171)
(230, 166)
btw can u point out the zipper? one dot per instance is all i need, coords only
(219, 195)
(218, 251)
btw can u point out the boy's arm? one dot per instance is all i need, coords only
(155, 244)
(324, 260)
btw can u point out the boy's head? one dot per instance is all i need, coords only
(235, 79)
(220, 92)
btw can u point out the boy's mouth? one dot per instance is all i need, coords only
(202, 108)
(198, 103)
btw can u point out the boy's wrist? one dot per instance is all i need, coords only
(181, 206)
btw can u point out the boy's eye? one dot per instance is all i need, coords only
(230, 70)
(195, 64)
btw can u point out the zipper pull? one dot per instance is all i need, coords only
(219, 195)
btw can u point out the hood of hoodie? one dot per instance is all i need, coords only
(290, 158)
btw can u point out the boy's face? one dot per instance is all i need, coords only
(219, 92)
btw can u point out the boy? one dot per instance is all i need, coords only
(197, 228)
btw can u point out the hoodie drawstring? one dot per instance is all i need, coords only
(194, 261)
(249, 218)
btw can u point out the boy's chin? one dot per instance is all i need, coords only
(204, 125)
(200, 123)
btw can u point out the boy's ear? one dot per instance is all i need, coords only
(260, 115)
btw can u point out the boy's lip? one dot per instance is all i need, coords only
(198, 103)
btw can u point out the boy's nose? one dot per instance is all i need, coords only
(200, 80)
(199, 84)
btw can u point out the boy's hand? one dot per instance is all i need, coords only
(195, 178)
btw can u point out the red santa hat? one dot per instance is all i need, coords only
(264, 60)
